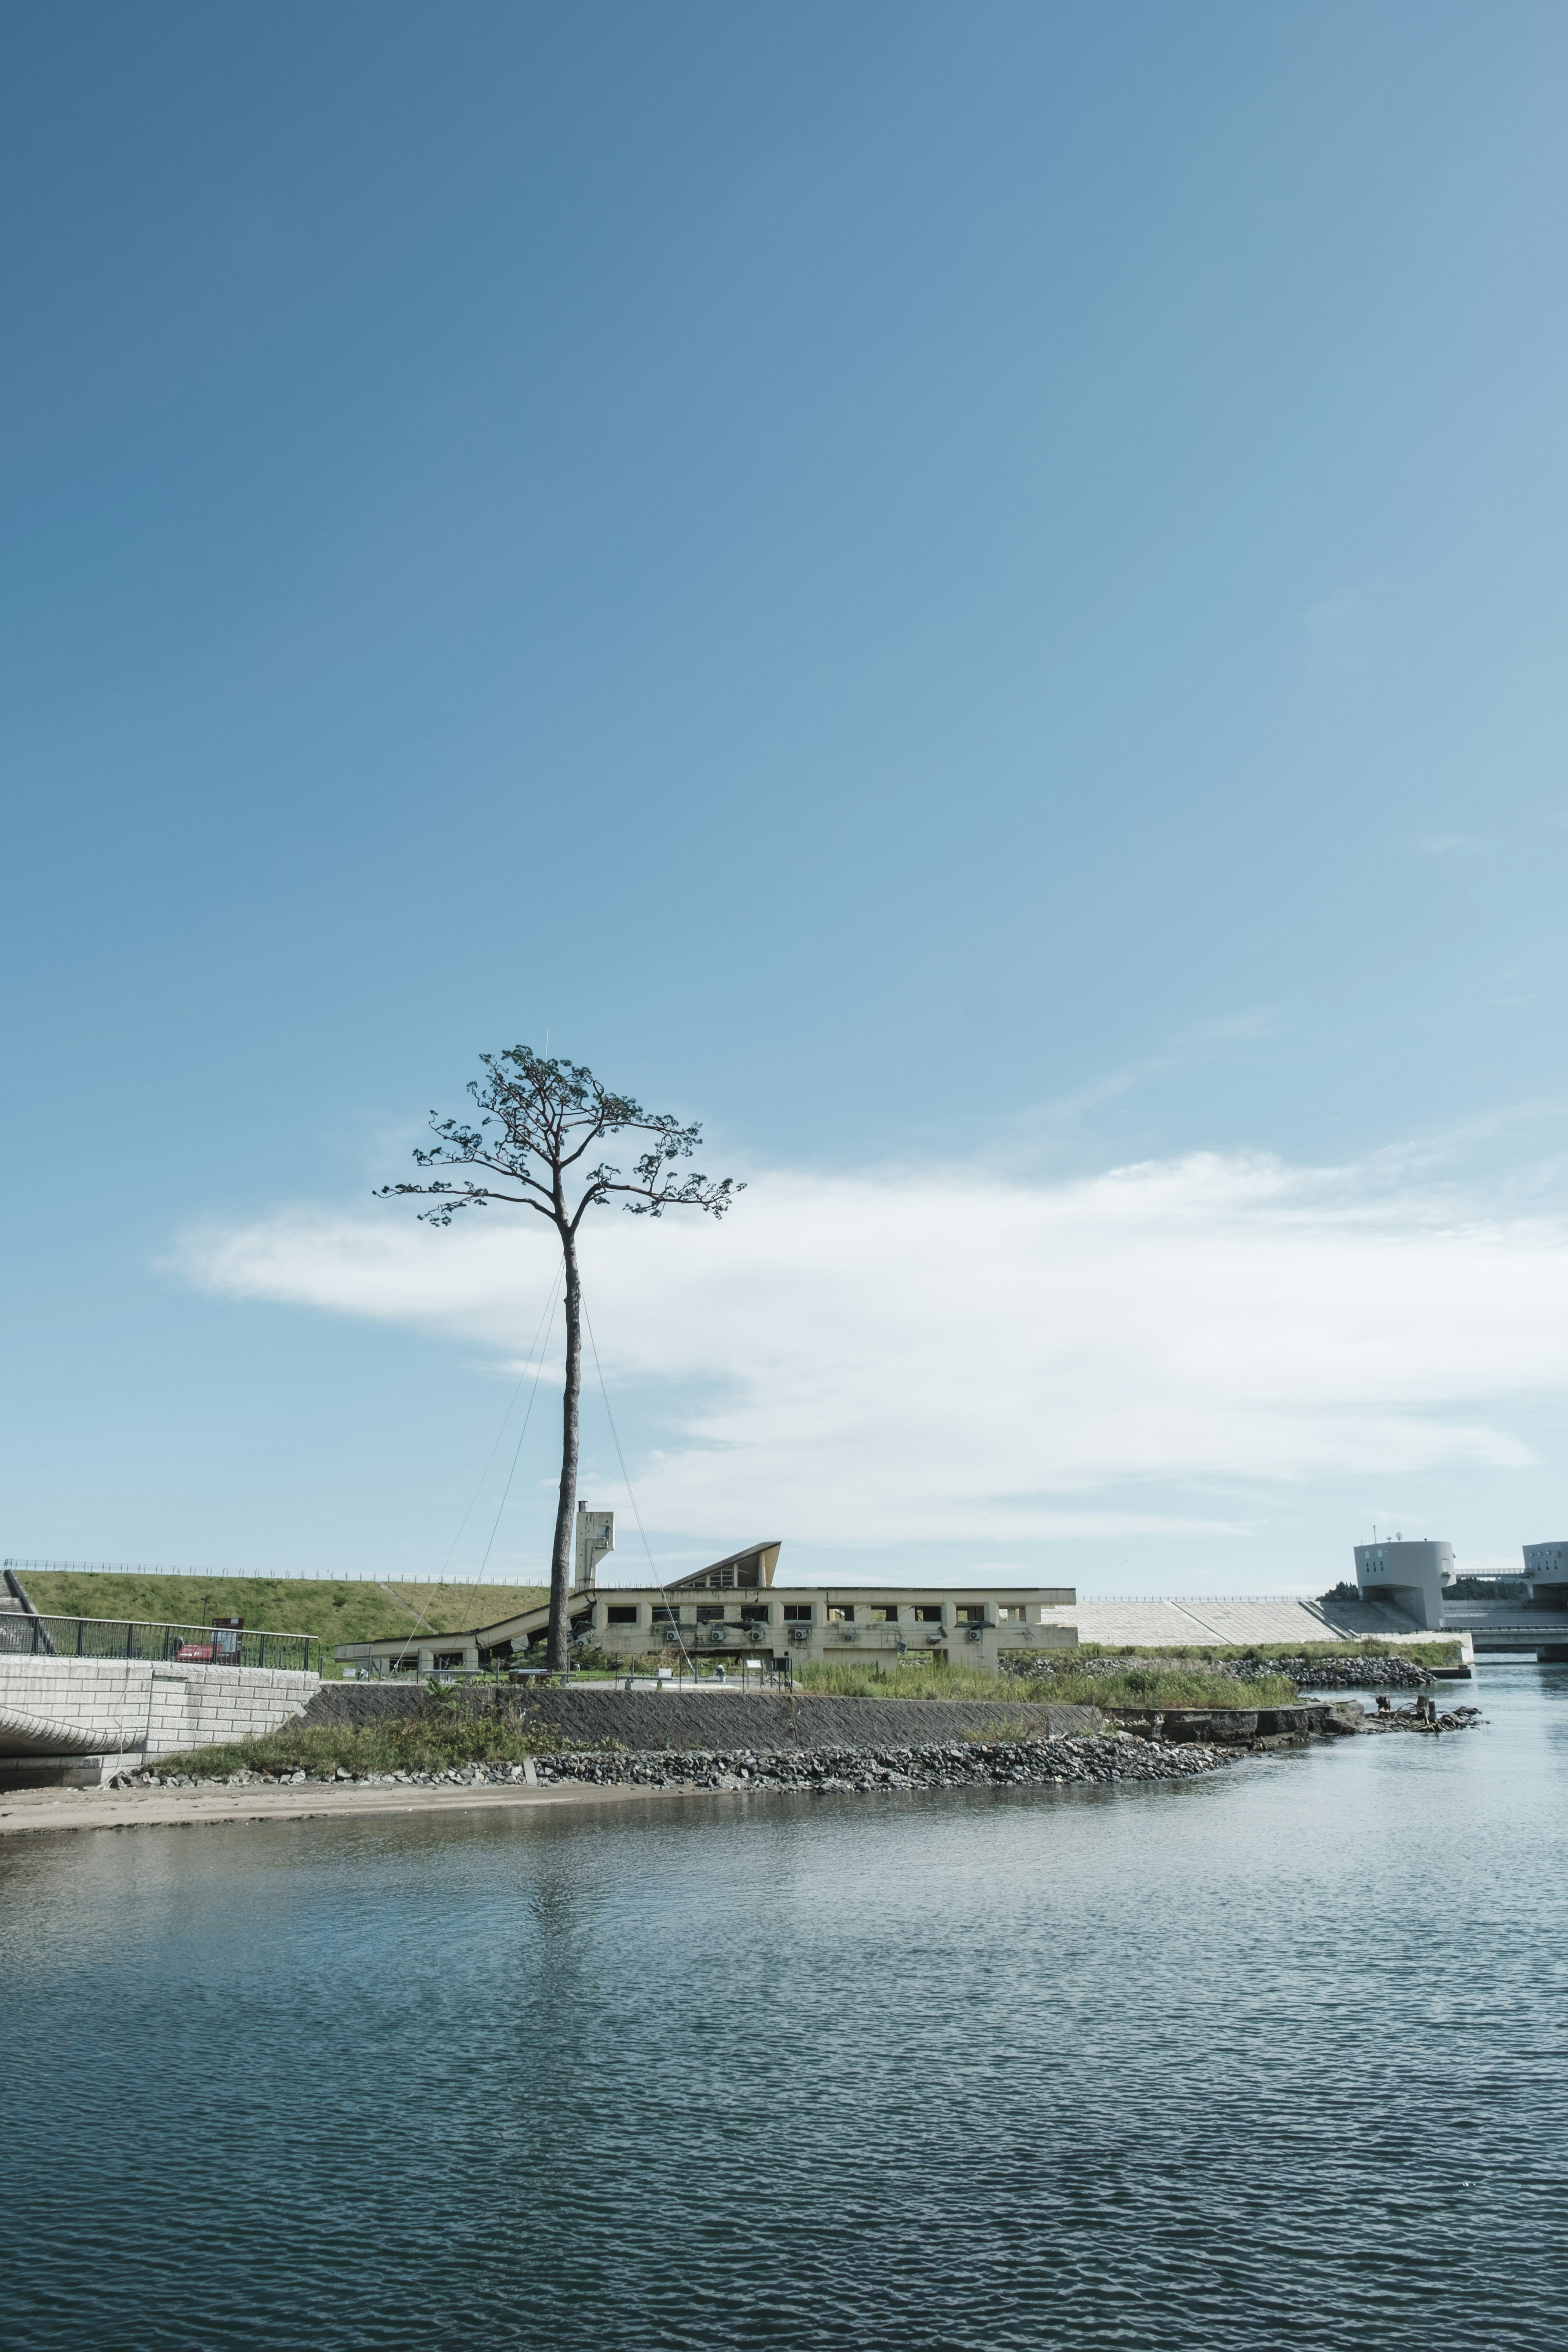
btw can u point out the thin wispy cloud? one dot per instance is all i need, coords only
(906, 1354)
(1450, 844)
(1192, 1049)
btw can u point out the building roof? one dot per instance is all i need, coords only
(765, 1554)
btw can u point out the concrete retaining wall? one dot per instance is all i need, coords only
(650, 1720)
(132, 1711)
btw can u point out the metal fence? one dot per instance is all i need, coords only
(40, 1635)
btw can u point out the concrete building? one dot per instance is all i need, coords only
(731, 1611)
(1410, 1576)
(1546, 1573)
(1414, 1582)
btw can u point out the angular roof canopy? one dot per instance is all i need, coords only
(739, 1571)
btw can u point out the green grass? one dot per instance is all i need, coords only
(1153, 1687)
(429, 1742)
(1181, 1685)
(1424, 1654)
(331, 1607)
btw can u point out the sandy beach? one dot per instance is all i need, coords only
(125, 1809)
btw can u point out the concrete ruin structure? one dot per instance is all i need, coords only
(733, 1611)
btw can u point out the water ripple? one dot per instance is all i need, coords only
(1274, 2059)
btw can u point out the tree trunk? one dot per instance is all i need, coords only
(557, 1654)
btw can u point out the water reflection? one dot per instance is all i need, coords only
(1258, 2059)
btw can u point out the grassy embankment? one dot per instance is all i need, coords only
(1181, 1683)
(334, 1608)
(446, 1732)
(1199, 1676)
(1423, 1654)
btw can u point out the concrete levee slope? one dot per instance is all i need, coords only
(728, 1720)
(1198, 1622)
(132, 1709)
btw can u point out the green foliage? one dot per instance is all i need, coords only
(836, 1678)
(1178, 1685)
(1424, 1654)
(1182, 1685)
(433, 1740)
(538, 1117)
(590, 1659)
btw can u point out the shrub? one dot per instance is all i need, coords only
(438, 1737)
(1181, 1684)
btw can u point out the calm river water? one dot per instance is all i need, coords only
(1274, 2059)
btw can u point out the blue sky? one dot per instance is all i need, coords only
(973, 597)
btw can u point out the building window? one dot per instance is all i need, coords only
(667, 1616)
(798, 1613)
(970, 1613)
(841, 1616)
(710, 1616)
(755, 1612)
(884, 1616)
(447, 1658)
(928, 1613)
(1009, 1616)
(620, 1616)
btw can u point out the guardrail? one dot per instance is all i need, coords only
(37, 1635)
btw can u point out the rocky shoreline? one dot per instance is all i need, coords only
(1098, 1761)
(1340, 1674)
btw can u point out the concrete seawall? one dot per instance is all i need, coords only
(131, 1711)
(651, 1720)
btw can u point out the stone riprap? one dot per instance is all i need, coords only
(1100, 1760)
(675, 1718)
(1349, 1674)
(1094, 1762)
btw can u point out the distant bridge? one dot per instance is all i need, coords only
(1497, 1614)
(1498, 1627)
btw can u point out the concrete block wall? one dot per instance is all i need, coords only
(202, 1706)
(135, 1711)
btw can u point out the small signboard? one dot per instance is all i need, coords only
(193, 1654)
(225, 1650)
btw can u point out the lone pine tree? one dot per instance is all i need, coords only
(538, 1121)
